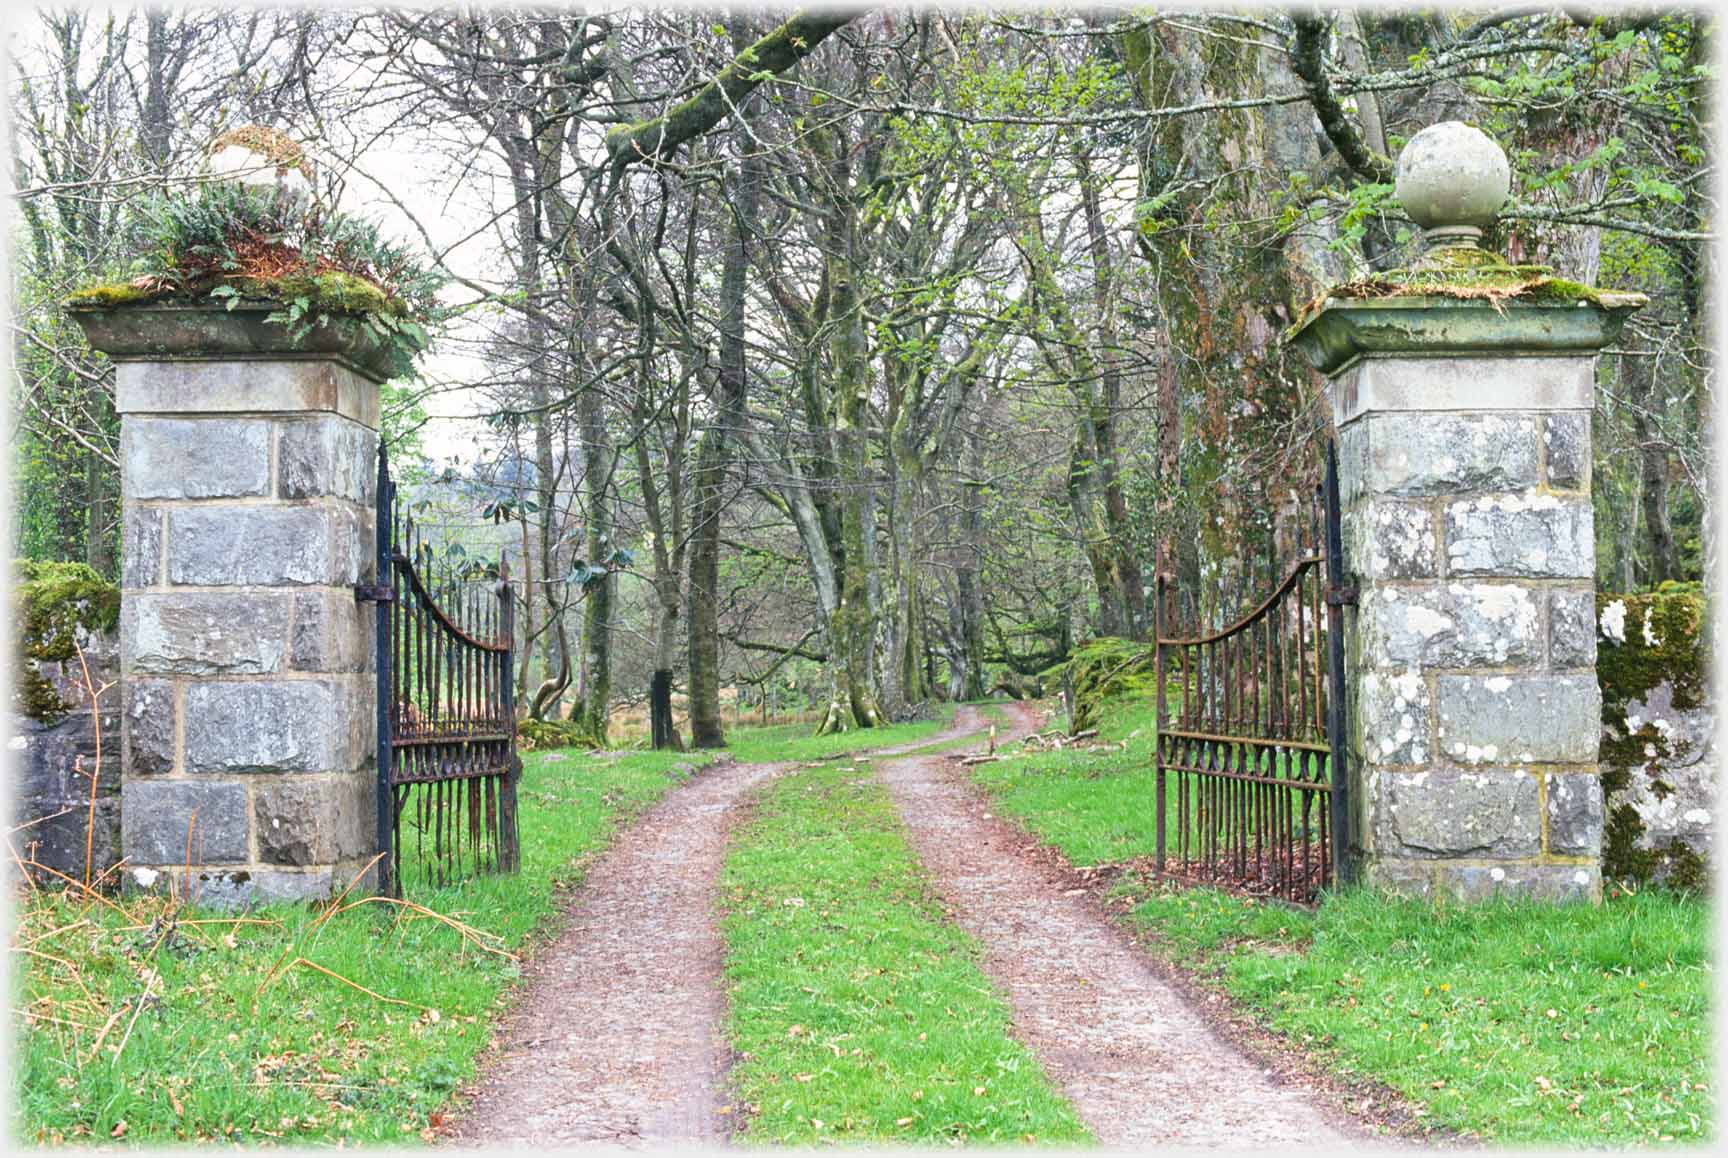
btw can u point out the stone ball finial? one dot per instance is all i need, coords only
(259, 157)
(1452, 179)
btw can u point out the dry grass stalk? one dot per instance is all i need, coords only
(41, 937)
(150, 980)
(335, 905)
(88, 890)
(477, 937)
(94, 693)
(40, 820)
(355, 984)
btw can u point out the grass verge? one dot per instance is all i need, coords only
(144, 1024)
(788, 742)
(1517, 1023)
(858, 1012)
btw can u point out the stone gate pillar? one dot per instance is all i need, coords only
(247, 473)
(1462, 390)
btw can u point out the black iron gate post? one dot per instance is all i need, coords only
(1337, 596)
(1162, 719)
(510, 849)
(382, 658)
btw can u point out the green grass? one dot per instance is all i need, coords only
(1096, 807)
(217, 1051)
(1517, 1022)
(860, 1014)
(1447, 1003)
(787, 742)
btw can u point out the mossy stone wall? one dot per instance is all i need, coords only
(1658, 750)
(66, 618)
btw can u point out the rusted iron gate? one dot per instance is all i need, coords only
(447, 763)
(1251, 772)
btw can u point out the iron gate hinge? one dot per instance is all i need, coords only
(1342, 596)
(373, 593)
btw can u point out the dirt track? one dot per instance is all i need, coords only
(1139, 1063)
(617, 1037)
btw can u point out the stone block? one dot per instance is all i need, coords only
(1566, 441)
(1523, 719)
(58, 840)
(38, 776)
(1404, 878)
(1450, 626)
(1391, 539)
(1447, 454)
(352, 547)
(1572, 628)
(1352, 442)
(204, 633)
(1447, 812)
(333, 632)
(157, 814)
(147, 727)
(262, 546)
(246, 386)
(54, 742)
(326, 455)
(140, 547)
(1391, 716)
(1528, 536)
(1541, 882)
(269, 726)
(316, 822)
(211, 458)
(242, 888)
(1486, 382)
(1574, 814)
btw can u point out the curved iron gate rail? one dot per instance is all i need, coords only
(1251, 761)
(447, 764)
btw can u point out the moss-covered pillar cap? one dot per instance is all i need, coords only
(251, 330)
(1458, 299)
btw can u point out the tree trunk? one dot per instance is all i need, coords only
(593, 711)
(1638, 375)
(706, 727)
(99, 498)
(702, 625)
(852, 627)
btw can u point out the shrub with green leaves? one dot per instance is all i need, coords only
(230, 243)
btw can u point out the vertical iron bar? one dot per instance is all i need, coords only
(1336, 724)
(1162, 716)
(382, 682)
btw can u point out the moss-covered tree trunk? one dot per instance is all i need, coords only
(969, 612)
(852, 627)
(592, 711)
(706, 727)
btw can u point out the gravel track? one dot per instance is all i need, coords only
(1139, 1063)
